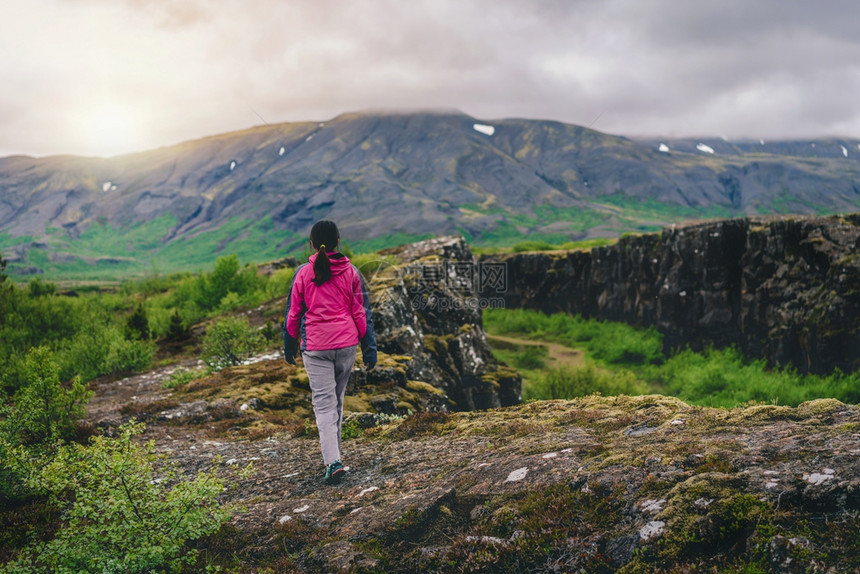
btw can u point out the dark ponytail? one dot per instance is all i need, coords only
(324, 236)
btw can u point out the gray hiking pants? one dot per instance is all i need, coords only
(328, 372)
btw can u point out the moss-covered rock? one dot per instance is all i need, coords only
(428, 307)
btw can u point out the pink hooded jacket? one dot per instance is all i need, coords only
(334, 312)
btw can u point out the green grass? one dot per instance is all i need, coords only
(139, 250)
(7, 240)
(516, 227)
(102, 239)
(539, 245)
(611, 343)
(117, 252)
(388, 240)
(252, 241)
(633, 208)
(544, 379)
(621, 359)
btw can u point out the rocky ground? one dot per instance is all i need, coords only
(598, 484)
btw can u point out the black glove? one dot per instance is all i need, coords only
(291, 348)
(368, 353)
(369, 358)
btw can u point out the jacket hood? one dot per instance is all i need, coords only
(339, 262)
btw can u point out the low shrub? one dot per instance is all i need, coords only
(230, 341)
(43, 410)
(129, 356)
(531, 357)
(124, 509)
(181, 377)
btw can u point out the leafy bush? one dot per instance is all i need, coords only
(279, 282)
(86, 353)
(229, 342)
(79, 330)
(215, 286)
(39, 288)
(43, 410)
(210, 289)
(89, 333)
(122, 511)
(351, 429)
(129, 356)
(103, 350)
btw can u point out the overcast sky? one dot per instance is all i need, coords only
(101, 77)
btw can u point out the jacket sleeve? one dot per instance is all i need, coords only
(356, 305)
(368, 340)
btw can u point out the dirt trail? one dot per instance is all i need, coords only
(560, 355)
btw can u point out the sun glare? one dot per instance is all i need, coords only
(108, 130)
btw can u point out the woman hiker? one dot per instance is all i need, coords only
(327, 315)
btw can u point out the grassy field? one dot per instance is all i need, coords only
(114, 252)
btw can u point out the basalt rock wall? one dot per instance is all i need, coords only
(785, 289)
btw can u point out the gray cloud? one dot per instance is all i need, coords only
(181, 69)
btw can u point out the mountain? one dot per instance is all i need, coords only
(387, 178)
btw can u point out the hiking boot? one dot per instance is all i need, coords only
(334, 472)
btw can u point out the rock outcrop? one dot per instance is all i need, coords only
(785, 289)
(425, 311)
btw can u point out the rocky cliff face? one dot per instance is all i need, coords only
(425, 312)
(786, 289)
